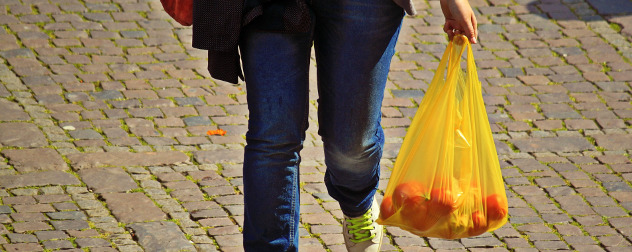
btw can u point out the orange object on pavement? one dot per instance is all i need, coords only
(219, 132)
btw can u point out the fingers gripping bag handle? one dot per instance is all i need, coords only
(446, 181)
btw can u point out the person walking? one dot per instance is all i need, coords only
(354, 42)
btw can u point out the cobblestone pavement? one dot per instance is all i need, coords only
(104, 109)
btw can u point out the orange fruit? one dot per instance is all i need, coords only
(442, 201)
(386, 208)
(496, 207)
(404, 192)
(479, 224)
(415, 214)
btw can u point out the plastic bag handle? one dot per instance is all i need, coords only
(471, 65)
(442, 64)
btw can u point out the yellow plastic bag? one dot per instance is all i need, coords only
(446, 182)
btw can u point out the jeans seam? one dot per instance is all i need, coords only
(293, 211)
(295, 175)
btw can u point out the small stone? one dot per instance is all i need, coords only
(69, 127)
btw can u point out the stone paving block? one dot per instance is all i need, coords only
(3, 229)
(615, 142)
(70, 224)
(218, 156)
(109, 179)
(58, 244)
(107, 95)
(11, 111)
(216, 222)
(30, 160)
(481, 242)
(22, 216)
(33, 208)
(82, 233)
(38, 179)
(178, 185)
(65, 206)
(85, 134)
(50, 235)
(25, 199)
(90, 143)
(234, 240)
(5, 93)
(51, 194)
(21, 227)
(133, 207)
(21, 238)
(611, 7)
(26, 247)
(161, 236)
(20, 134)
(92, 243)
(91, 160)
(553, 144)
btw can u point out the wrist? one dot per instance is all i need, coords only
(445, 8)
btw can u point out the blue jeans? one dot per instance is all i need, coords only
(354, 42)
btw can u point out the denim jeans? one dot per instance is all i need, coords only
(354, 42)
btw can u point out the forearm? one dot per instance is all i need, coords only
(445, 9)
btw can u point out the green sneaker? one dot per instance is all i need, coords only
(363, 233)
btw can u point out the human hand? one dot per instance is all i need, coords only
(459, 19)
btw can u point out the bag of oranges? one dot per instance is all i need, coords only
(446, 182)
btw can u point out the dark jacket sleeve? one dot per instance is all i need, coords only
(218, 23)
(216, 28)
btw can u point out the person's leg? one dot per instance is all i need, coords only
(276, 69)
(354, 42)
